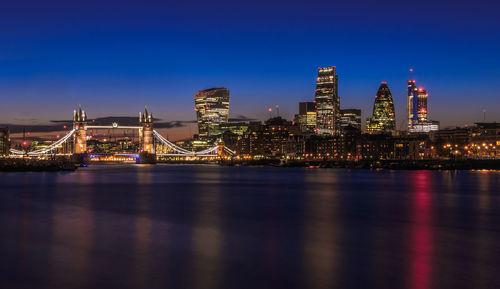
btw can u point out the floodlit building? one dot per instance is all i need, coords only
(327, 102)
(383, 119)
(306, 119)
(212, 110)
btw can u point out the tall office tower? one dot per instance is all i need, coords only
(350, 117)
(327, 102)
(417, 110)
(383, 118)
(212, 109)
(412, 103)
(422, 105)
(307, 117)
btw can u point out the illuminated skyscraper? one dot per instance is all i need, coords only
(412, 103)
(417, 109)
(327, 102)
(212, 109)
(383, 118)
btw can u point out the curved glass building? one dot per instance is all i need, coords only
(383, 119)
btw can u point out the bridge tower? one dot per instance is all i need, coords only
(146, 133)
(80, 126)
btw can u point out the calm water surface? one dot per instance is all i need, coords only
(242, 227)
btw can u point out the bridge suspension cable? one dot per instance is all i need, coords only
(170, 145)
(47, 149)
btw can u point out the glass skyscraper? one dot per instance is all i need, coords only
(327, 102)
(212, 110)
(417, 110)
(384, 117)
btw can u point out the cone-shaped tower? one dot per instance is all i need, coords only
(384, 117)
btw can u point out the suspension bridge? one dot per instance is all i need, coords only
(150, 140)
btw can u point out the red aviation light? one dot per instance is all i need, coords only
(270, 109)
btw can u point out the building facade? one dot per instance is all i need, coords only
(306, 119)
(327, 102)
(417, 110)
(4, 142)
(383, 119)
(212, 110)
(350, 117)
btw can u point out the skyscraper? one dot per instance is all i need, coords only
(412, 102)
(417, 109)
(327, 102)
(212, 109)
(383, 118)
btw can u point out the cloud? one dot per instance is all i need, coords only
(58, 125)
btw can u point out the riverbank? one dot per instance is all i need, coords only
(26, 165)
(380, 164)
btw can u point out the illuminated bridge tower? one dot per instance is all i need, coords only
(80, 127)
(146, 133)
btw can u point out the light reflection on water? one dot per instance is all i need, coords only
(243, 227)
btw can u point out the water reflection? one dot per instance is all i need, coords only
(207, 239)
(321, 229)
(72, 237)
(240, 227)
(421, 242)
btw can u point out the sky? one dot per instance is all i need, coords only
(114, 57)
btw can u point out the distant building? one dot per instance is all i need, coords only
(238, 128)
(327, 102)
(350, 117)
(383, 119)
(212, 110)
(417, 110)
(306, 119)
(4, 142)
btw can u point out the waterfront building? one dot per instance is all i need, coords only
(277, 137)
(307, 117)
(4, 142)
(212, 110)
(485, 141)
(383, 119)
(350, 117)
(327, 102)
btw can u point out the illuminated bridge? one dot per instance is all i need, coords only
(151, 142)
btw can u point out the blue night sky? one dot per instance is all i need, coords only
(114, 57)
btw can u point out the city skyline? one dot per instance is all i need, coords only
(113, 59)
